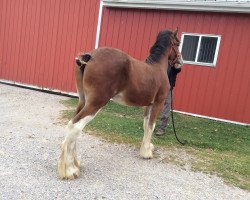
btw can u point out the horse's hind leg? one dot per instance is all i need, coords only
(79, 107)
(150, 116)
(68, 165)
(80, 91)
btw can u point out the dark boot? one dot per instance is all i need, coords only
(160, 132)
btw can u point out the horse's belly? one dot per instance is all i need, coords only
(119, 98)
(133, 99)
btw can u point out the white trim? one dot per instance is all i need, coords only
(212, 118)
(99, 22)
(188, 5)
(76, 95)
(198, 49)
(39, 88)
(198, 63)
(217, 50)
(182, 38)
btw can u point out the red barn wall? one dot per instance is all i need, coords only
(40, 39)
(220, 92)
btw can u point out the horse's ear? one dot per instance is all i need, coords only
(175, 33)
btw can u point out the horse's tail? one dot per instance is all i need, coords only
(82, 60)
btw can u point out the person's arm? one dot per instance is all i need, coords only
(172, 76)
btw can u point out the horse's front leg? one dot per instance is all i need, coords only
(150, 116)
(146, 150)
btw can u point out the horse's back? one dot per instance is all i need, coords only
(107, 69)
(108, 56)
(111, 73)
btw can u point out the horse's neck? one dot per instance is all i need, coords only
(149, 60)
(163, 62)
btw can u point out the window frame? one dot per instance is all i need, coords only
(198, 49)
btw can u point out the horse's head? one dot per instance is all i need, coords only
(166, 46)
(174, 55)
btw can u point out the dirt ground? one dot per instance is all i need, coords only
(30, 136)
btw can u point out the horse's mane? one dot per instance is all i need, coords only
(159, 47)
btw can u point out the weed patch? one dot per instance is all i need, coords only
(214, 147)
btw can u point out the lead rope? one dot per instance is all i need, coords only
(172, 115)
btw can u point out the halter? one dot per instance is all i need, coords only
(178, 55)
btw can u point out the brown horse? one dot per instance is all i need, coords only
(108, 73)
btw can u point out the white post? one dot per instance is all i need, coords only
(98, 29)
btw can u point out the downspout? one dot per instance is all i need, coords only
(99, 22)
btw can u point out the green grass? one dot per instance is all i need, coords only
(218, 148)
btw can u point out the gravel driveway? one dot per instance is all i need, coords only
(29, 147)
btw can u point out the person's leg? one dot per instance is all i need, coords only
(164, 116)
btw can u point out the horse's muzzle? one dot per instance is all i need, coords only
(178, 64)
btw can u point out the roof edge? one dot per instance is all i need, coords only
(214, 6)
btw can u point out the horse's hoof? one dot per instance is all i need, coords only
(147, 153)
(71, 171)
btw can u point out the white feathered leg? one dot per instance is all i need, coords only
(146, 150)
(68, 165)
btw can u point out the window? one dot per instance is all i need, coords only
(200, 49)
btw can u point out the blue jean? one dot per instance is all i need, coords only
(165, 113)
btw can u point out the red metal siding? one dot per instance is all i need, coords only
(39, 40)
(221, 92)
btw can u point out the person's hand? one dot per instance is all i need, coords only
(172, 76)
